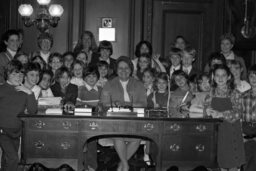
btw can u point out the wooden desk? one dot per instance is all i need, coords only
(60, 139)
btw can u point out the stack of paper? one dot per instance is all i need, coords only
(49, 101)
(83, 112)
(140, 112)
(53, 111)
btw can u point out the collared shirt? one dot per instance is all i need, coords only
(126, 95)
(243, 86)
(46, 93)
(13, 53)
(37, 90)
(187, 70)
(249, 106)
(45, 56)
(149, 89)
(89, 88)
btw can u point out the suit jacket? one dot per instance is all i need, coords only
(5, 58)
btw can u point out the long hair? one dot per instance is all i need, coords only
(139, 45)
(79, 46)
(230, 82)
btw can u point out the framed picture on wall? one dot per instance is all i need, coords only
(106, 23)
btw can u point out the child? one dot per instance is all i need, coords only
(144, 62)
(249, 119)
(181, 97)
(224, 102)
(40, 61)
(45, 83)
(90, 91)
(180, 42)
(148, 79)
(63, 88)
(82, 56)
(103, 69)
(216, 58)
(15, 98)
(197, 103)
(77, 69)
(55, 62)
(227, 42)
(237, 69)
(175, 59)
(22, 57)
(68, 59)
(188, 57)
(105, 51)
(31, 78)
(159, 98)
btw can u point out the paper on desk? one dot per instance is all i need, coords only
(53, 111)
(49, 101)
(89, 102)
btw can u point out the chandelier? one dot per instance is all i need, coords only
(46, 15)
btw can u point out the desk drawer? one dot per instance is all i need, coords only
(188, 127)
(53, 124)
(120, 126)
(188, 148)
(51, 145)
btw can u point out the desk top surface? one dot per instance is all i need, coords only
(26, 116)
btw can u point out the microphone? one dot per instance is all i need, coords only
(111, 102)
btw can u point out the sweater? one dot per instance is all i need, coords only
(13, 103)
(87, 95)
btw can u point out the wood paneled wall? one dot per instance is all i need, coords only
(199, 21)
(159, 21)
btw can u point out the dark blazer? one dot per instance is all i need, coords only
(193, 74)
(70, 95)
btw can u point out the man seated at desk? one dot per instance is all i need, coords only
(124, 91)
(15, 99)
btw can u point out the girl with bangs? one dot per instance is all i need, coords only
(224, 102)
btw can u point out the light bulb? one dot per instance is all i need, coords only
(43, 2)
(25, 10)
(56, 10)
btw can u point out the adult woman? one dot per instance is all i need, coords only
(124, 91)
(87, 44)
(227, 43)
(45, 43)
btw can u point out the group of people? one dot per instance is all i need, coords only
(89, 73)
